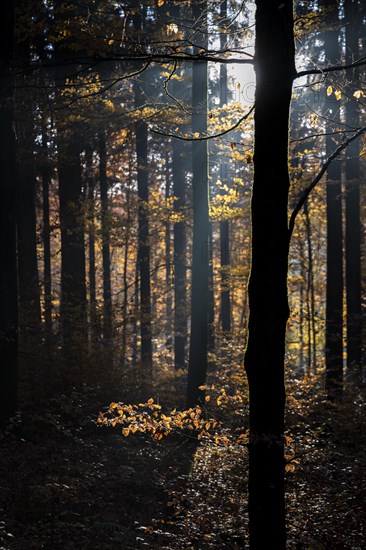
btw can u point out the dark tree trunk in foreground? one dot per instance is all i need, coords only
(106, 227)
(334, 305)
(8, 264)
(200, 255)
(352, 188)
(268, 302)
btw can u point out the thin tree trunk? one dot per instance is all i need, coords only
(352, 199)
(180, 259)
(268, 301)
(200, 255)
(310, 294)
(143, 224)
(106, 256)
(73, 288)
(125, 266)
(168, 272)
(211, 293)
(94, 333)
(8, 264)
(334, 299)
(46, 235)
(28, 279)
(224, 224)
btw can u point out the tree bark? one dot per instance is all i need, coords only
(73, 288)
(46, 236)
(352, 202)
(8, 264)
(180, 259)
(106, 228)
(268, 301)
(334, 292)
(200, 254)
(224, 224)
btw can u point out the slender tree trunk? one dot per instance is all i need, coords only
(143, 224)
(268, 302)
(46, 236)
(168, 272)
(93, 333)
(352, 202)
(106, 255)
(180, 259)
(334, 299)
(125, 266)
(28, 279)
(144, 246)
(29, 294)
(310, 293)
(8, 264)
(211, 293)
(73, 288)
(200, 255)
(224, 224)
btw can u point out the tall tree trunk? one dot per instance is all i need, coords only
(125, 266)
(29, 295)
(46, 236)
(224, 224)
(211, 293)
(200, 255)
(8, 264)
(106, 228)
(352, 188)
(334, 298)
(168, 269)
(180, 259)
(268, 301)
(28, 279)
(143, 224)
(310, 294)
(144, 246)
(93, 323)
(73, 288)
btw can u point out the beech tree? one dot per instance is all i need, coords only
(268, 301)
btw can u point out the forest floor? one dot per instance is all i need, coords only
(66, 484)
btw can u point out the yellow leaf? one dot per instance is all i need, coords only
(329, 90)
(338, 94)
(161, 3)
(358, 94)
(207, 398)
(202, 387)
(150, 401)
(196, 135)
(126, 431)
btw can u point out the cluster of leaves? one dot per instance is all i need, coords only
(148, 418)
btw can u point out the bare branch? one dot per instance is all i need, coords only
(360, 63)
(205, 138)
(321, 173)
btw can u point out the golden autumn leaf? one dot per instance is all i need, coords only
(329, 90)
(338, 95)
